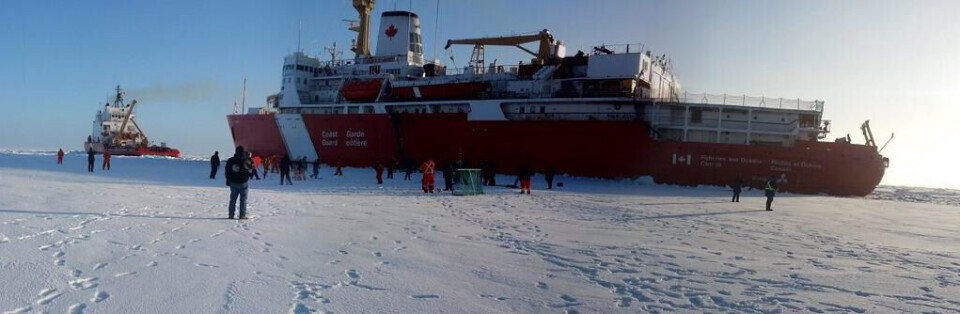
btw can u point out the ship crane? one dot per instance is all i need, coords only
(121, 134)
(476, 58)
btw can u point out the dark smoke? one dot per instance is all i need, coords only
(181, 92)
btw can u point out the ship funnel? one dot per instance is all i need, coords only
(400, 36)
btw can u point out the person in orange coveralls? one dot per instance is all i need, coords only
(106, 161)
(60, 156)
(428, 168)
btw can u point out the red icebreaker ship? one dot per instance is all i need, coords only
(613, 112)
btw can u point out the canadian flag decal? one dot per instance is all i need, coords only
(391, 31)
(681, 159)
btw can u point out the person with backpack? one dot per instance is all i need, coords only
(237, 172)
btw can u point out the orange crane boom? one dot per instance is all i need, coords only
(544, 37)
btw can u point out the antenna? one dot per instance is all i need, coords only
(299, 27)
(436, 30)
(243, 102)
(334, 53)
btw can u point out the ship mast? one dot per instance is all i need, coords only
(361, 46)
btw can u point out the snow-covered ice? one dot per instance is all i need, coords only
(150, 236)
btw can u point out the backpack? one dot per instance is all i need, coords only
(236, 170)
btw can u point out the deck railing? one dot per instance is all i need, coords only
(751, 101)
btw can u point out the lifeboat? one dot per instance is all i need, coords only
(361, 90)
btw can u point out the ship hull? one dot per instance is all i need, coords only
(258, 134)
(604, 149)
(156, 151)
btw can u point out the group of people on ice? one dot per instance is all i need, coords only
(91, 159)
(273, 164)
(284, 165)
(771, 187)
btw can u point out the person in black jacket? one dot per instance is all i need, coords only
(548, 176)
(237, 172)
(90, 160)
(316, 169)
(285, 164)
(737, 187)
(447, 177)
(214, 164)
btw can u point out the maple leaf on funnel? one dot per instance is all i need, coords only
(391, 31)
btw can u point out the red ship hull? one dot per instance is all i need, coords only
(605, 149)
(257, 133)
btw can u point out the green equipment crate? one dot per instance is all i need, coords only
(467, 182)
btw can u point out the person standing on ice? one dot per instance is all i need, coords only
(255, 161)
(316, 169)
(339, 171)
(302, 167)
(391, 167)
(524, 175)
(548, 176)
(60, 156)
(106, 160)
(447, 177)
(426, 182)
(737, 187)
(285, 164)
(379, 168)
(771, 191)
(91, 158)
(407, 170)
(237, 172)
(214, 164)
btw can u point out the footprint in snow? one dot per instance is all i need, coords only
(352, 274)
(77, 308)
(46, 296)
(118, 275)
(208, 265)
(84, 283)
(425, 296)
(22, 310)
(100, 266)
(99, 296)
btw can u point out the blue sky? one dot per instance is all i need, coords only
(893, 62)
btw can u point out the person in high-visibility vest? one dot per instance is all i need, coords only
(771, 191)
(428, 168)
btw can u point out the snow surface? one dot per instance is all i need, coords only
(150, 237)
